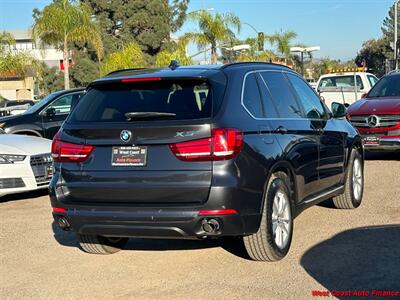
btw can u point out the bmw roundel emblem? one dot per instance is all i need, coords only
(125, 135)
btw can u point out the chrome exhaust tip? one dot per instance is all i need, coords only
(211, 225)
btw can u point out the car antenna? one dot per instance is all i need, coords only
(173, 64)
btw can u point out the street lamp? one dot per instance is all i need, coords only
(303, 50)
(202, 9)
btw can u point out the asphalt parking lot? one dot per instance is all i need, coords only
(332, 250)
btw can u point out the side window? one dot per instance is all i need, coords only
(282, 95)
(372, 80)
(251, 96)
(267, 101)
(312, 106)
(63, 104)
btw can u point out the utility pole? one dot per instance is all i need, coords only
(396, 58)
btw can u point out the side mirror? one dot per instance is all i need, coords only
(338, 110)
(50, 112)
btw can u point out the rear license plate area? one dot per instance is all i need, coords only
(129, 156)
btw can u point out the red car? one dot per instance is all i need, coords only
(377, 115)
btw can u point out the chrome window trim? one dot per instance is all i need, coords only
(277, 71)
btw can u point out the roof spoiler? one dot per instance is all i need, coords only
(124, 70)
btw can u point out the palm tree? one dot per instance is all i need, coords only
(214, 29)
(165, 57)
(64, 22)
(129, 57)
(282, 41)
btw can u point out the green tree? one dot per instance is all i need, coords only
(165, 57)
(84, 70)
(50, 81)
(374, 52)
(388, 24)
(213, 29)
(130, 57)
(62, 23)
(146, 22)
(282, 41)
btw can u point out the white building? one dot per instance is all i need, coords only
(23, 42)
(14, 87)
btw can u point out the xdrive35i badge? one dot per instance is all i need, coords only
(125, 135)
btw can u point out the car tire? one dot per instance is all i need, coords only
(354, 185)
(96, 244)
(272, 240)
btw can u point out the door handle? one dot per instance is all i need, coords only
(281, 130)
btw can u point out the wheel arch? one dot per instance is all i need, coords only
(286, 167)
(27, 132)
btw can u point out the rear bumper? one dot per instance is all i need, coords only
(162, 220)
(150, 223)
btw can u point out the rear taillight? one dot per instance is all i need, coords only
(222, 145)
(59, 210)
(68, 152)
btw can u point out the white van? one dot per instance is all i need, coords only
(341, 87)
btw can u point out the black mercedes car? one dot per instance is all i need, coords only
(201, 152)
(45, 117)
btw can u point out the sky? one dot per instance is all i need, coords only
(339, 27)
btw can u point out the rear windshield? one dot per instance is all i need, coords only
(339, 82)
(182, 99)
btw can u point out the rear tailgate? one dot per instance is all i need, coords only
(132, 162)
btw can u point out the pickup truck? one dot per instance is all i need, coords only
(341, 87)
(14, 107)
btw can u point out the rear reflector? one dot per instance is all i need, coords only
(59, 210)
(67, 152)
(140, 79)
(223, 144)
(217, 212)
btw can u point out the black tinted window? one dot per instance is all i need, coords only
(251, 96)
(309, 100)
(111, 103)
(268, 103)
(282, 95)
(386, 87)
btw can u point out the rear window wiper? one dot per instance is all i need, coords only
(148, 115)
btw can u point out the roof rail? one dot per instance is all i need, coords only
(255, 63)
(124, 70)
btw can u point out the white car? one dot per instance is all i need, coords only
(25, 163)
(341, 87)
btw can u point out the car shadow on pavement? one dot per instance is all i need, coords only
(382, 156)
(365, 258)
(25, 195)
(233, 245)
(65, 238)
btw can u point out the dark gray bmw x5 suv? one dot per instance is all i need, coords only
(201, 152)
